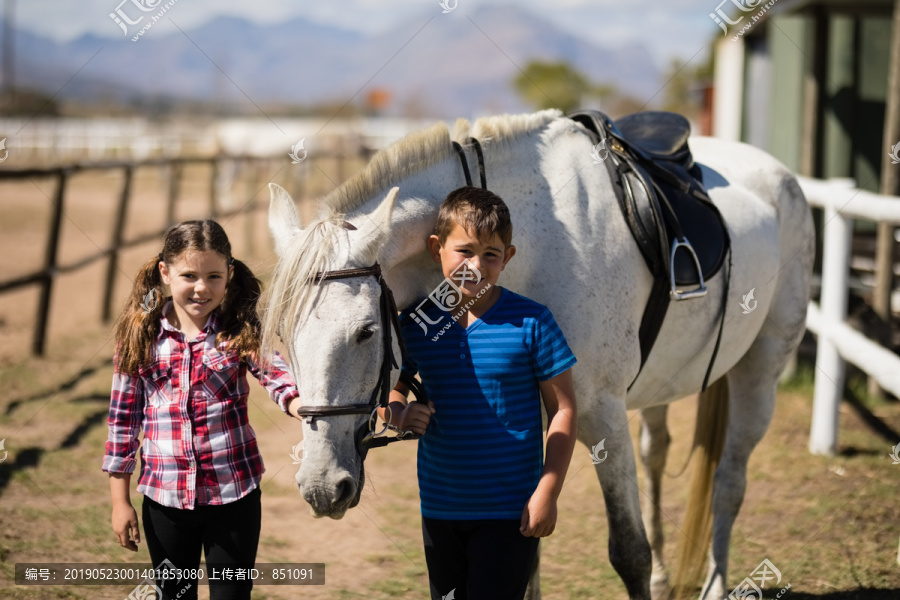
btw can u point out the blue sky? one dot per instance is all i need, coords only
(669, 28)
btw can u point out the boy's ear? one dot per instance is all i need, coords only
(434, 247)
(510, 252)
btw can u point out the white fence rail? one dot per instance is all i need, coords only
(837, 342)
(54, 141)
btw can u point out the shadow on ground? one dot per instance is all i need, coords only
(859, 594)
(29, 458)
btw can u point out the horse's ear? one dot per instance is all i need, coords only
(377, 226)
(382, 214)
(284, 221)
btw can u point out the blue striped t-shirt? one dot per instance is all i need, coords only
(482, 454)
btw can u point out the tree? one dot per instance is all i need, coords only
(22, 102)
(556, 85)
(685, 84)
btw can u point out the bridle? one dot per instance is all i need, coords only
(366, 436)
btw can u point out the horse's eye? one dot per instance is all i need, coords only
(365, 333)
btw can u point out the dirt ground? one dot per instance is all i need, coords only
(831, 525)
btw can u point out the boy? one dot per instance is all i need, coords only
(486, 499)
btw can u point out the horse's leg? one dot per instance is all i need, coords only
(753, 380)
(654, 449)
(751, 404)
(752, 386)
(629, 551)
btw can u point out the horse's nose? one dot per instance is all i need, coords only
(345, 491)
(330, 500)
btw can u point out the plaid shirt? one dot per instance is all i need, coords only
(198, 447)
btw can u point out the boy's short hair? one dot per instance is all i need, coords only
(475, 210)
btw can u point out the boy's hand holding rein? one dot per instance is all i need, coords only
(407, 416)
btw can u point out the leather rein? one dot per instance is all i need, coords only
(366, 436)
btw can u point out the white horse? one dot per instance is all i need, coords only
(577, 256)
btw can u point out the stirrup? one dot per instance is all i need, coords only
(697, 292)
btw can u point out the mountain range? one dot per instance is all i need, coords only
(442, 65)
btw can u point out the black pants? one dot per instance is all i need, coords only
(227, 533)
(478, 560)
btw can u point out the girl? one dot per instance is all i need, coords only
(181, 377)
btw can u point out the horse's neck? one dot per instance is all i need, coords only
(514, 171)
(404, 256)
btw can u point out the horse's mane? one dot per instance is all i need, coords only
(422, 149)
(289, 296)
(502, 130)
(291, 291)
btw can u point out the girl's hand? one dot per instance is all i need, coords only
(293, 406)
(125, 526)
(539, 515)
(415, 417)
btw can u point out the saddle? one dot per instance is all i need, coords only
(660, 190)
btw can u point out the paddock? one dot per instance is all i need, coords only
(829, 523)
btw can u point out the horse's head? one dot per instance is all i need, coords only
(334, 333)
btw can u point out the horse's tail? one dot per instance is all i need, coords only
(709, 440)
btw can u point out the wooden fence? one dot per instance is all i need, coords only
(44, 278)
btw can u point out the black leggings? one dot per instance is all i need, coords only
(227, 533)
(478, 560)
